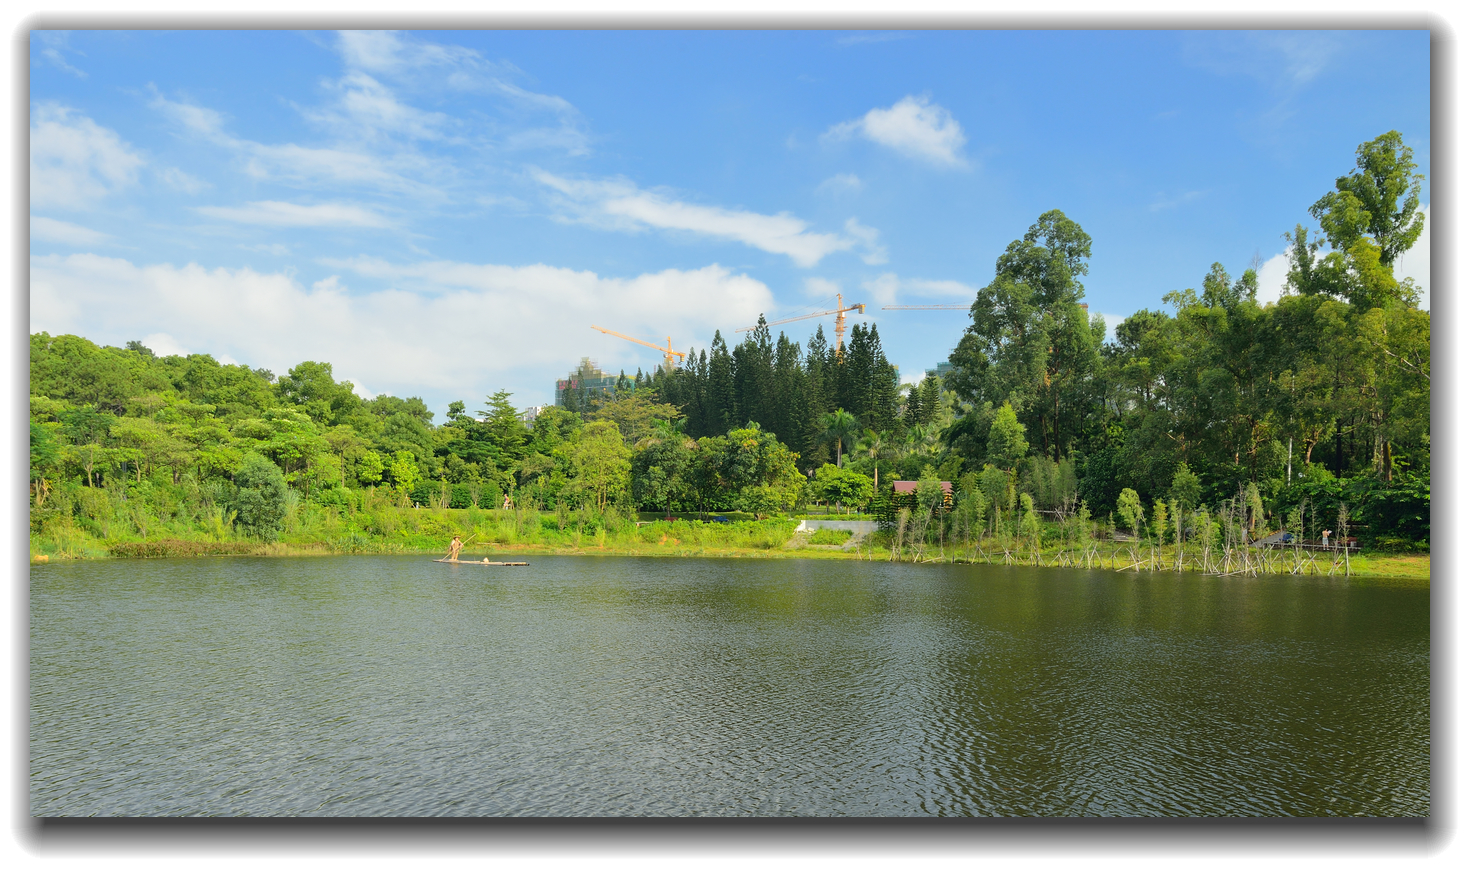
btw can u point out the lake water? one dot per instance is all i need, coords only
(354, 686)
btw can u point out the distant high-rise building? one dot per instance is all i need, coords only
(940, 369)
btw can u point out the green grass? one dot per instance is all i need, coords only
(829, 537)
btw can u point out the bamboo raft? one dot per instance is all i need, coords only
(485, 562)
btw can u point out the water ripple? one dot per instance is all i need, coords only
(617, 686)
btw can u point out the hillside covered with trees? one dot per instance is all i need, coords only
(1312, 408)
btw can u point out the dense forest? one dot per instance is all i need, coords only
(1314, 407)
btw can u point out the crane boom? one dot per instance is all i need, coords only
(669, 352)
(840, 311)
(926, 307)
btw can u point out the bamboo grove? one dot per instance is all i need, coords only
(1227, 413)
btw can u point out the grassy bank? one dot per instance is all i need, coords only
(491, 532)
(390, 530)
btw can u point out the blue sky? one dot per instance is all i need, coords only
(445, 214)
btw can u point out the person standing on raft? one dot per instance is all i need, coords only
(454, 546)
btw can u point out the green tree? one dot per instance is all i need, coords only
(504, 429)
(1380, 201)
(370, 467)
(839, 426)
(843, 487)
(1006, 444)
(404, 471)
(311, 387)
(1185, 487)
(260, 502)
(1029, 342)
(45, 456)
(602, 462)
(1130, 509)
(636, 414)
(660, 467)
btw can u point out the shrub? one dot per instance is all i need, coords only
(260, 502)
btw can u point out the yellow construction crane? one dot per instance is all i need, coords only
(841, 313)
(669, 352)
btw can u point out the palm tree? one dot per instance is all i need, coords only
(838, 425)
(878, 446)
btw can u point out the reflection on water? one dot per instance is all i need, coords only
(660, 686)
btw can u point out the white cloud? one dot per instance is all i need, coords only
(1271, 278)
(841, 184)
(298, 215)
(454, 329)
(60, 232)
(180, 181)
(821, 287)
(163, 344)
(1111, 321)
(74, 161)
(361, 389)
(620, 204)
(911, 379)
(913, 127)
(885, 289)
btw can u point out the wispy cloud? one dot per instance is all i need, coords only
(55, 42)
(391, 53)
(1282, 59)
(281, 213)
(294, 164)
(61, 232)
(268, 249)
(874, 253)
(913, 127)
(367, 109)
(622, 205)
(180, 181)
(886, 288)
(841, 184)
(421, 65)
(74, 161)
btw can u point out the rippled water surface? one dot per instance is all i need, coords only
(627, 686)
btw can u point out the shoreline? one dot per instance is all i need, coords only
(1406, 569)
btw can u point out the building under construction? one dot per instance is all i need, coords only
(584, 383)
